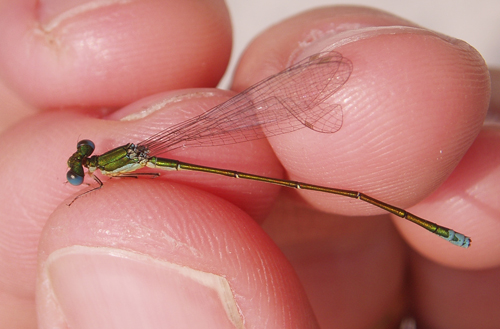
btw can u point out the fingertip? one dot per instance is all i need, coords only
(466, 202)
(108, 54)
(444, 296)
(412, 106)
(275, 47)
(186, 248)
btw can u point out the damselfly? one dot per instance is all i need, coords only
(285, 102)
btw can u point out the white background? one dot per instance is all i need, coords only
(475, 21)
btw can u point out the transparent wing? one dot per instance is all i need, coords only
(285, 102)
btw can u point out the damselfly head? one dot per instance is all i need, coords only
(75, 174)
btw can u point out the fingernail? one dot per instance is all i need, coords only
(328, 41)
(149, 105)
(52, 12)
(112, 288)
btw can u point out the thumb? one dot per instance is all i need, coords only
(118, 265)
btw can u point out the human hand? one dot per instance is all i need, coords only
(150, 253)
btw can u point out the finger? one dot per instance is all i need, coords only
(145, 118)
(342, 276)
(34, 172)
(469, 196)
(494, 108)
(445, 297)
(142, 260)
(412, 106)
(451, 298)
(108, 54)
(13, 108)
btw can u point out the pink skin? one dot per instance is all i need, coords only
(413, 106)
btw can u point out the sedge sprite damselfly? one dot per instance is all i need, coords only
(285, 102)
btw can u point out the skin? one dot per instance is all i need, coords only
(413, 136)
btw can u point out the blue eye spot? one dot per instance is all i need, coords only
(73, 178)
